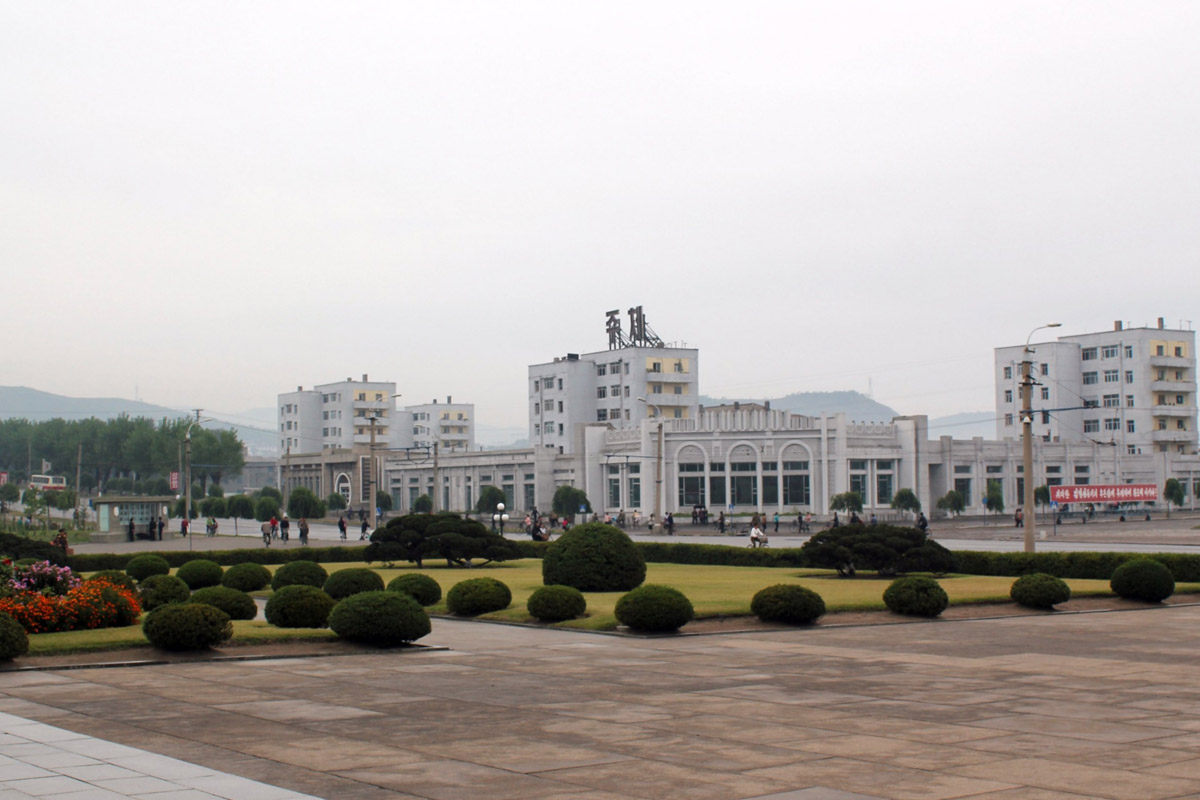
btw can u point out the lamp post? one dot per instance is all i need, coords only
(499, 518)
(187, 475)
(1030, 522)
(658, 461)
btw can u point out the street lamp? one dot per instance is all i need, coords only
(187, 475)
(658, 461)
(1030, 521)
(499, 518)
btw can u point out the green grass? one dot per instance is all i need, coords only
(244, 632)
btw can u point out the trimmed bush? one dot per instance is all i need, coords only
(380, 618)
(422, 588)
(117, 578)
(1143, 579)
(594, 557)
(654, 609)
(916, 597)
(556, 603)
(415, 537)
(199, 573)
(159, 590)
(246, 577)
(477, 596)
(299, 606)
(789, 603)
(299, 573)
(187, 626)
(352, 580)
(142, 567)
(238, 605)
(14, 642)
(1039, 590)
(887, 549)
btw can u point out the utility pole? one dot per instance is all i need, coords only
(187, 463)
(1030, 521)
(437, 480)
(371, 477)
(287, 472)
(78, 475)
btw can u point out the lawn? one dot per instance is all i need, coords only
(244, 632)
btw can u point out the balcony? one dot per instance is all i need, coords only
(372, 405)
(1174, 435)
(1172, 410)
(1173, 387)
(669, 377)
(1170, 361)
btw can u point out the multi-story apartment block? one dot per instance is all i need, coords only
(451, 425)
(337, 416)
(1133, 389)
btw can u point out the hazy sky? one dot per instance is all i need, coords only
(217, 202)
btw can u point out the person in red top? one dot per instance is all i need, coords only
(274, 527)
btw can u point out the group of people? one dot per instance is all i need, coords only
(343, 527)
(276, 528)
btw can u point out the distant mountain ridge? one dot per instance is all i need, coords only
(855, 405)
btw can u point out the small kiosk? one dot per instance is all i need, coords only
(114, 513)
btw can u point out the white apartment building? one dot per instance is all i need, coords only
(335, 416)
(450, 425)
(1132, 389)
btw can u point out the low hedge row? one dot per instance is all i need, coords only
(92, 562)
(1185, 567)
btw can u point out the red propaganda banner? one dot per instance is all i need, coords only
(3, 478)
(174, 480)
(1116, 493)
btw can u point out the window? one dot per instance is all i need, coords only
(602, 369)
(549, 428)
(1045, 392)
(560, 384)
(601, 414)
(1162, 399)
(614, 492)
(1162, 424)
(560, 406)
(656, 366)
(1093, 403)
(795, 465)
(635, 490)
(1045, 369)
(1129, 351)
(1162, 375)
(614, 368)
(324, 431)
(1112, 424)
(1045, 417)
(883, 489)
(1091, 426)
(1087, 354)
(1158, 350)
(1179, 352)
(678, 389)
(691, 489)
(1008, 395)
(1110, 351)
(1082, 469)
(601, 391)
(994, 469)
(858, 465)
(549, 405)
(678, 413)
(1112, 400)
(1129, 376)
(962, 469)
(1008, 420)
(627, 391)
(679, 366)
(963, 487)
(1181, 425)
(1180, 400)
(1130, 427)
(1132, 450)
(1129, 400)
(1090, 378)
(656, 388)
(1178, 374)
(796, 490)
(1112, 376)
(1008, 373)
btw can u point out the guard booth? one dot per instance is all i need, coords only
(114, 513)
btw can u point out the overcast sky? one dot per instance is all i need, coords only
(217, 202)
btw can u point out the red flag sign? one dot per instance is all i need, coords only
(1114, 493)
(174, 480)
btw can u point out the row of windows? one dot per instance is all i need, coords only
(334, 397)
(331, 431)
(1180, 400)
(1008, 394)
(1110, 376)
(1180, 375)
(614, 368)
(1008, 371)
(1180, 425)
(614, 391)
(1106, 351)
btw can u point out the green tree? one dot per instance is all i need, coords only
(213, 506)
(239, 506)
(462, 542)
(383, 501)
(846, 501)
(952, 502)
(335, 501)
(489, 498)
(423, 504)
(272, 492)
(1041, 496)
(568, 500)
(35, 504)
(215, 490)
(1173, 493)
(177, 510)
(9, 493)
(995, 496)
(906, 500)
(303, 502)
(265, 508)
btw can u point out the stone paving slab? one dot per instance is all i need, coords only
(1051, 707)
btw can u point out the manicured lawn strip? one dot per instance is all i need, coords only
(244, 632)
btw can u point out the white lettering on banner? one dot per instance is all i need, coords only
(1118, 493)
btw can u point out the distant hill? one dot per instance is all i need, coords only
(21, 402)
(855, 405)
(964, 426)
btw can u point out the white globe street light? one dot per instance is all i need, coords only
(499, 518)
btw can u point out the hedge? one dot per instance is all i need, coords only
(93, 562)
(1185, 567)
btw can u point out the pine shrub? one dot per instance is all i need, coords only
(1039, 590)
(594, 557)
(199, 573)
(916, 597)
(299, 606)
(238, 605)
(654, 609)
(187, 626)
(1143, 579)
(246, 577)
(159, 590)
(352, 580)
(380, 618)
(476, 596)
(556, 603)
(299, 573)
(14, 642)
(789, 603)
(420, 587)
(141, 567)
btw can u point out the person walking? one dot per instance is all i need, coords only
(670, 524)
(365, 528)
(266, 533)
(302, 526)
(777, 522)
(161, 524)
(342, 527)
(274, 526)
(285, 527)
(922, 523)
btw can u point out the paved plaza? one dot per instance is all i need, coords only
(1100, 705)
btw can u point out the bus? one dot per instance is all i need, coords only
(47, 483)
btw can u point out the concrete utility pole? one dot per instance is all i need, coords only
(371, 477)
(1030, 522)
(187, 465)
(658, 462)
(437, 480)
(78, 475)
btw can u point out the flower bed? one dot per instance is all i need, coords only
(45, 598)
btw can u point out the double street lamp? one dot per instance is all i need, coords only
(499, 518)
(658, 466)
(1029, 521)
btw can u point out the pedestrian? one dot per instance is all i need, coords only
(922, 523)
(342, 527)
(60, 540)
(131, 529)
(670, 523)
(621, 519)
(874, 519)
(1019, 519)
(835, 522)
(213, 522)
(274, 526)
(757, 537)
(285, 527)
(302, 526)
(365, 528)
(854, 520)
(637, 519)
(721, 522)
(777, 522)
(266, 533)
(183, 527)
(161, 524)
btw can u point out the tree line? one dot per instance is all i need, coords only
(137, 449)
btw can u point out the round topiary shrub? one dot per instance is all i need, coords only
(353, 580)
(238, 605)
(246, 577)
(1143, 579)
(556, 603)
(159, 590)
(655, 609)
(477, 596)
(299, 606)
(422, 588)
(380, 618)
(141, 567)
(594, 558)
(187, 626)
(299, 573)
(14, 641)
(1039, 590)
(916, 597)
(116, 577)
(789, 603)
(200, 572)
